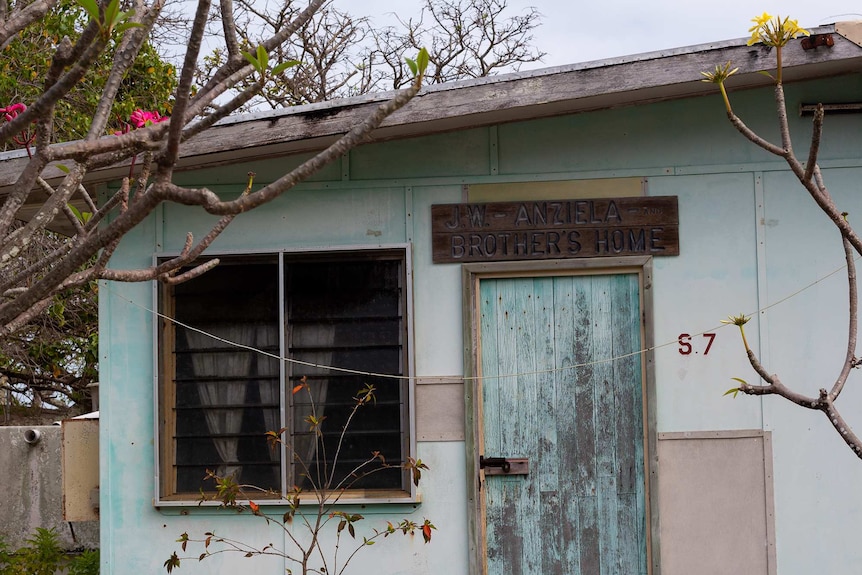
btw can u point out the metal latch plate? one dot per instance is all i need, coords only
(516, 466)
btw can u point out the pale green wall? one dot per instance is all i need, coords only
(748, 237)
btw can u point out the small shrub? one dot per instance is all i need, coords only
(43, 555)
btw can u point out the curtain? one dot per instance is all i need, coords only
(320, 337)
(268, 384)
(223, 378)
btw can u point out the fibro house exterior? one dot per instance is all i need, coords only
(530, 270)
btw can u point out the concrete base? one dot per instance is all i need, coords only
(30, 474)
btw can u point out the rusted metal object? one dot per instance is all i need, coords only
(817, 40)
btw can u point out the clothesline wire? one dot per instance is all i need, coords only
(463, 377)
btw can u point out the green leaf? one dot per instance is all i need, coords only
(111, 12)
(63, 168)
(76, 212)
(252, 60)
(412, 65)
(742, 381)
(263, 58)
(733, 390)
(284, 66)
(422, 60)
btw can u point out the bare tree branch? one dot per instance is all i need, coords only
(815, 143)
(22, 18)
(49, 98)
(229, 28)
(171, 152)
(811, 178)
(214, 205)
(853, 308)
(30, 288)
(67, 211)
(124, 58)
(341, 55)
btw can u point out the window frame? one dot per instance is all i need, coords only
(163, 399)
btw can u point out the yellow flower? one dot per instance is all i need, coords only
(793, 29)
(760, 21)
(774, 31)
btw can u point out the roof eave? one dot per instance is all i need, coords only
(638, 79)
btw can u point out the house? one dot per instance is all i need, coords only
(541, 260)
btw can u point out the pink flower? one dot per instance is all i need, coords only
(141, 118)
(11, 112)
(26, 137)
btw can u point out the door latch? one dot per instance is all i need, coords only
(504, 465)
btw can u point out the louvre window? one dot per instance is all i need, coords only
(223, 387)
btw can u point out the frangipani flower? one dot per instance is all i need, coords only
(774, 31)
(11, 112)
(141, 118)
(758, 22)
(718, 76)
(739, 321)
(26, 137)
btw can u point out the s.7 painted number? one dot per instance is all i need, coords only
(685, 347)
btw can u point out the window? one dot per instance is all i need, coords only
(219, 394)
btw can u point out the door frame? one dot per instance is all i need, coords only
(472, 274)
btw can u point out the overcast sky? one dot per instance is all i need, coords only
(573, 31)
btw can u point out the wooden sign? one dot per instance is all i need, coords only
(552, 229)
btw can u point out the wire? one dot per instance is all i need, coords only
(462, 377)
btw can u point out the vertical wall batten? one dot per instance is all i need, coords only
(345, 167)
(106, 507)
(408, 214)
(493, 151)
(762, 286)
(160, 227)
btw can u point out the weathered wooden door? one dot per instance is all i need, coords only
(575, 409)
